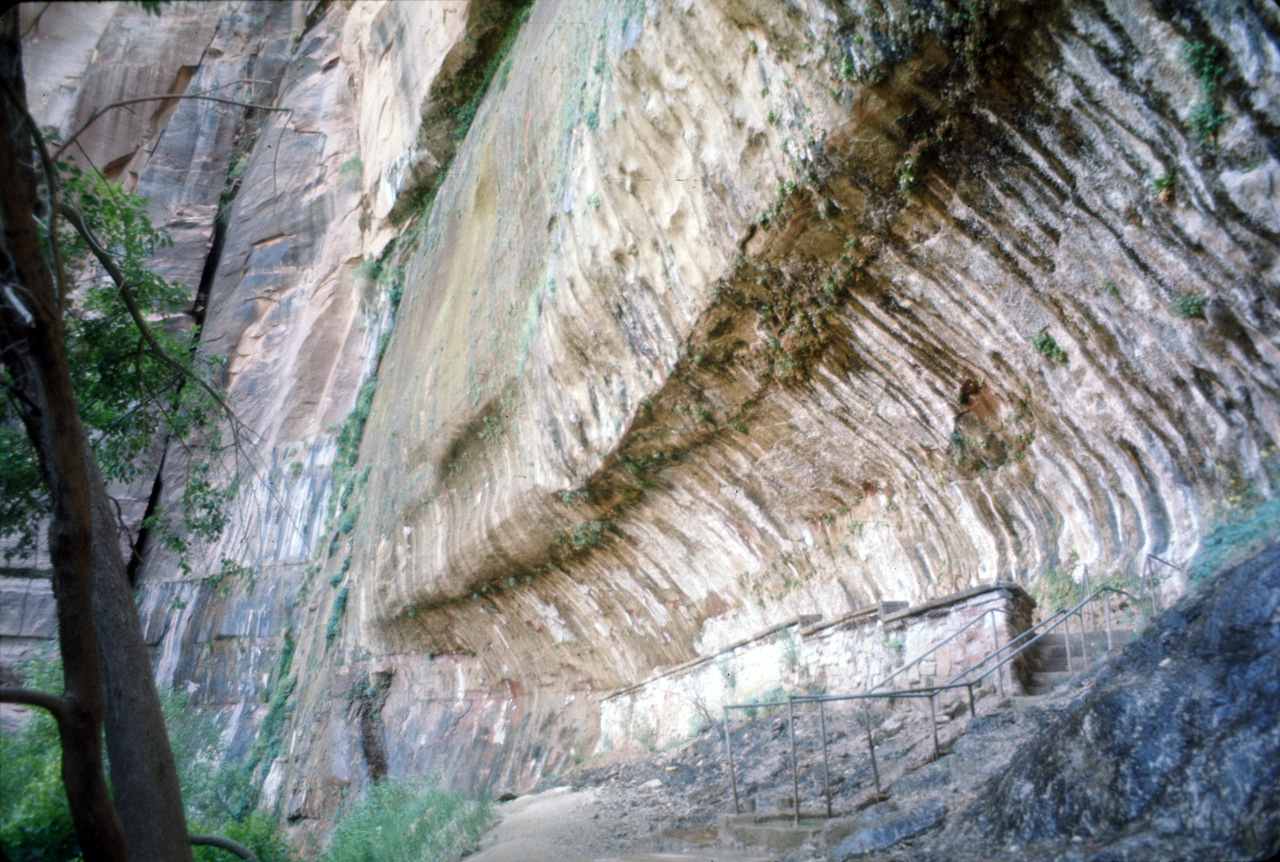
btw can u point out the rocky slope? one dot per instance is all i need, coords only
(718, 314)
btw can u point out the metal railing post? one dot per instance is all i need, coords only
(973, 710)
(1084, 640)
(1106, 612)
(795, 769)
(871, 744)
(933, 718)
(1066, 637)
(995, 637)
(826, 765)
(728, 753)
(1088, 588)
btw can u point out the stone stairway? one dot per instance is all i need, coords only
(773, 833)
(1049, 657)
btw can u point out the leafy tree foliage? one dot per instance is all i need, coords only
(130, 396)
(35, 821)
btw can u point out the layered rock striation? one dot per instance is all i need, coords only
(706, 317)
(732, 314)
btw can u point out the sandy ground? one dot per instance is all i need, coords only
(629, 807)
(567, 825)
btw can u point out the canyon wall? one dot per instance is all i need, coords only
(582, 340)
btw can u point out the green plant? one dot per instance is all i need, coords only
(1206, 117)
(1054, 590)
(593, 201)
(893, 644)
(1162, 187)
(133, 377)
(1187, 305)
(238, 165)
(336, 577)
(1233, 538)
(907, 174)
(1109, 287)
(645, 735)
(770, 117)
(334, 626)
(1044, 344)
(726, 674)
(587, 534)
(407, 820)
(35, 822)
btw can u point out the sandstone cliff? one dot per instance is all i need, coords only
(585, 339)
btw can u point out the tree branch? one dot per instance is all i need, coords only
(223, 844)
(46, 164)
(57, 706)
(108, 263)
(97, 115)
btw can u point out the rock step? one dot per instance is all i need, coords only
(767, 833)
(1119, 637)
(705, 856)
(1050, 652)
(1042, 681)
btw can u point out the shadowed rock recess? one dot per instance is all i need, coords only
(583, 338)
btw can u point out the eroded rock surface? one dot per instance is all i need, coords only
(677, 356)
(720, 314)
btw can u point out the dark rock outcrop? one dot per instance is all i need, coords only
(1169, 751)
(1180, 737)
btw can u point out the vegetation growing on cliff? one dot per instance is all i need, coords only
(455, 101)
(1206, 117)
(406, 820)
(35, 821)
(128, 388)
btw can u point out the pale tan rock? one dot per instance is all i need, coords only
(594, 292)
(393, 87)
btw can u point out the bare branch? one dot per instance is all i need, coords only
(97, 115)
(57, 706)
(223, 844)
(124, 528)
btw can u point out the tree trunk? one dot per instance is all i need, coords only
(32, 343)
(104, 658)
(143, 775)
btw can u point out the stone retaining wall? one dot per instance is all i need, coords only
(849, 654)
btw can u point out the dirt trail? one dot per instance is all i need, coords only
(631, 807)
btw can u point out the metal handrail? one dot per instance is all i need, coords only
(1149, 577)
(939, 646)
(1018, 643)
(1061, 617)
